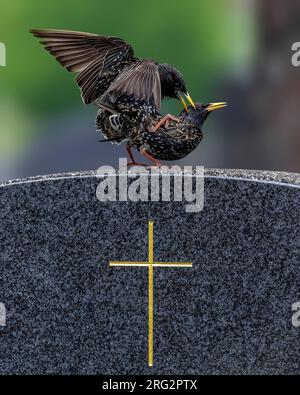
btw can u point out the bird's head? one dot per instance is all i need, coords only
(173, 85)
(199, 114)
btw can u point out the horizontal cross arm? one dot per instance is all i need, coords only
(128, 263)
(155, 264)
(173, 264)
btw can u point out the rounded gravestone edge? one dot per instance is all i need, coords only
(264, 176)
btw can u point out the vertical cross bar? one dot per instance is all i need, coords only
(150, 294)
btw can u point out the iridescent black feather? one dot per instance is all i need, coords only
(109, 71)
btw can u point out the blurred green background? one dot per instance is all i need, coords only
(44, 127)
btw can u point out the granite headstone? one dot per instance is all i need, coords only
(65, 311)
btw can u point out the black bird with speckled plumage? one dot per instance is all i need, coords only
(111, 76)
(173, 142)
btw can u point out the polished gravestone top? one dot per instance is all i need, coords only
(63, 309)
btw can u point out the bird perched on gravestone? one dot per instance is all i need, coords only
(110, 74)
(171, 141)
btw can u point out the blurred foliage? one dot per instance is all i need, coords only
(202, 38)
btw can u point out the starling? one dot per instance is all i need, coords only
(172, 142)
(111, 76)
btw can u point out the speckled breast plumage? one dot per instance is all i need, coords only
(172, 143)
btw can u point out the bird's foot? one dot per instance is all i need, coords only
(155, 161)
(132, 161)
(165, 122)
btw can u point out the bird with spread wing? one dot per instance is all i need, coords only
(111, 76)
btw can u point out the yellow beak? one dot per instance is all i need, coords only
(183, 103)
(190, 100)
(216, 106)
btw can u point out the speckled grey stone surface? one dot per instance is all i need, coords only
(68, 312)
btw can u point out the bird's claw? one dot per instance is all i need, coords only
(164, 122)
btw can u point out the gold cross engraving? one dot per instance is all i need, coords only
(150, 264)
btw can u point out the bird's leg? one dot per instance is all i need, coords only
(129, 153)
(148, 156)
(165, 122)
(132, 161)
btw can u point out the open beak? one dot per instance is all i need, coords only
(216, 106)
(190, 100)
(183, 102)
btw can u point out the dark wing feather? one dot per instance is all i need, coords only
(141, 79)
(84, 53)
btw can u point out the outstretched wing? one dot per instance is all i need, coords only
(85, 53)
(141, 80)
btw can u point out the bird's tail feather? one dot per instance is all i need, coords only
(109, 140)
